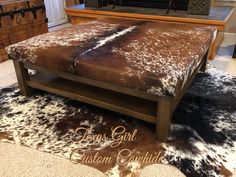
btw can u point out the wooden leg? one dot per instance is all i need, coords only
(22, 76)
(163, 119)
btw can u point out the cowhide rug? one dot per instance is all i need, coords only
(203, 140)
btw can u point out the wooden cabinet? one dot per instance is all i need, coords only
(20, 20)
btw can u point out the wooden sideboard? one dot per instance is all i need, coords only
(20, 20)
(218, 18)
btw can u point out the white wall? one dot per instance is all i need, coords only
(55, 12)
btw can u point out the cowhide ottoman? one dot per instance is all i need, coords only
(141, 69)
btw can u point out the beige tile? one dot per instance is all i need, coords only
(59, 27)
(224, 61)
(7, 73)
(231, 68)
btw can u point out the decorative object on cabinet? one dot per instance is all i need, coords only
(199, 7)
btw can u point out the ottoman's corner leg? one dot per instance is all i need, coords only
(22, 76)
(164, 115)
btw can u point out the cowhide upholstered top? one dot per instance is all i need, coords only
(153, 57)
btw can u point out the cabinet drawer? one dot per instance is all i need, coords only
(21, 35)
(20, 12)
(3, 55)
(40, 28)
(4, 42)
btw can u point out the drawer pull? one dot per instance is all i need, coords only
(11, 14)
(22, 11)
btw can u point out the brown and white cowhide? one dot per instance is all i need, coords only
(202, 143)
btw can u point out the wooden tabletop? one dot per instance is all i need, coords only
(218, 16)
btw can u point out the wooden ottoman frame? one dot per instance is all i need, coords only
(148, 107)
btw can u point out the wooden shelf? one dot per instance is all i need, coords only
(128, 105)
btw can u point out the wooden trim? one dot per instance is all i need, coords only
(80, 12)
(100, 84)
(114, 101)
(220, 27)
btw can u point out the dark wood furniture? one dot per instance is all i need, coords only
(20, 20)
(142, 105)
(218, 18)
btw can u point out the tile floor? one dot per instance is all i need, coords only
(223, 60)
(59, 27)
